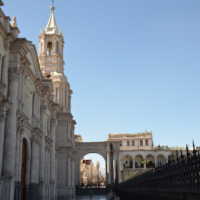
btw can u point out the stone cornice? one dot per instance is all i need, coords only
(2, 29)
(48, 142)
(57, 147)
(1, 3)
(46, 91)
(61, 115)
(24, 120)
(10, 37)
(4, 107)
(74, 122)
(22, 116)
(34, 55)
(37, 134)
(55, 107)
(39, 83)
(43, 36)
(2, 13)
(62, 150)
(28, 125)
(2, 96)
(48, 85)
(30, 73)
(13, 74)
(19, 45)
(53, 122)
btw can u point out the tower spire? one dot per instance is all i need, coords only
(51, 27)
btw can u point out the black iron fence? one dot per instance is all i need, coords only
(178, 180)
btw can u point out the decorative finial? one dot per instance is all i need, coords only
(14, 24)
(60, 31)
(40, 31)
(52, 8)
(44, 29)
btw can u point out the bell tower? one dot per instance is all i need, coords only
(51, 43)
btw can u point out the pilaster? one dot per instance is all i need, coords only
(10, 136)
(4, 107)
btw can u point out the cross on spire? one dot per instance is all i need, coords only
(52, 2)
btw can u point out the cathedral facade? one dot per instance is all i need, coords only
(36, 124)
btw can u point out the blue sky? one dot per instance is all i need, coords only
(132, 65)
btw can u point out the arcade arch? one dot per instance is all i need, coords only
(108, 150)
(138, 173)
(128, 175)
(138, 161)
(161, 158)
(92, 169)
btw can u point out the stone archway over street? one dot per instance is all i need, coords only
(109, 150)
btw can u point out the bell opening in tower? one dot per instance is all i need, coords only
(49, 48)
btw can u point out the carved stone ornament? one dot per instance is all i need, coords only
(14, 24)
(53, 122)
(43, 107)
(13, 74)
(62, 123)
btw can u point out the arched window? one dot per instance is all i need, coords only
(141, 142)
(146, 142)
(49, 48)
(133, 143)
(128, 143)
(57, 47)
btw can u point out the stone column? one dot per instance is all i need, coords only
(119, 170)
(2, 132)
(45, 47)
(121, 164)
(54, 46)
(145, 165)
(42, 153)
(78, 176)
(1, 183)
(108, 181)
(4, 107)
(17, 153)
(70, 103)
(34, 109)
(155, 162)
(1, 57)
(69, 173)
(5, 66)
(66, 98)
(10, 138)
(22, 89)
(63, 91)
(73, 178)
(133, 163)
(115, 159)
(2, 129)
(58, 95)
(19, 90)
(33, 159)
(53, 154)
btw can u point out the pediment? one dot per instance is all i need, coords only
(33, 58)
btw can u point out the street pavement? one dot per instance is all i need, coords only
(95, 197)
